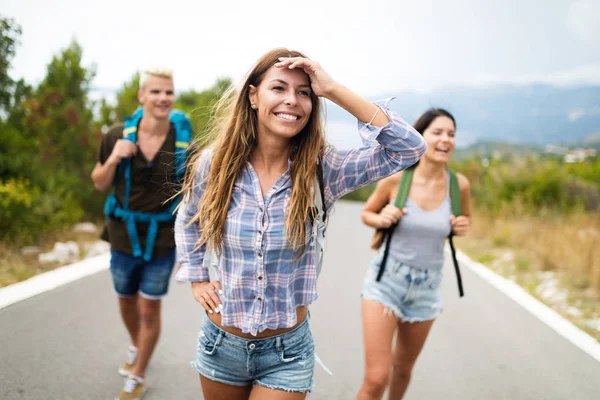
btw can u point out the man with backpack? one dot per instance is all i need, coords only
(144, 161)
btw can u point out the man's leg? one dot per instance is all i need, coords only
(149, 331)
(125, 270)
(131, 317)
(154, 284)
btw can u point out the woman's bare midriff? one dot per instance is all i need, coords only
(300, 316)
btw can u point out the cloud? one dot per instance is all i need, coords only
(374, 47)
(584, 75)
(578, 113)
(574, 115)
(583, 19)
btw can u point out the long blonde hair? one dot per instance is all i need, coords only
(232, 136)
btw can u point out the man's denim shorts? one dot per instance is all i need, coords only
(132, 274)
(412, 294)
(284, 362)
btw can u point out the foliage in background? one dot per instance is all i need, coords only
(537, 186)
(10, 32)
(50, 137)
(533, 186)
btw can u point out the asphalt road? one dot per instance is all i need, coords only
(67, 343)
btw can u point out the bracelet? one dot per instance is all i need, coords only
(374, 115)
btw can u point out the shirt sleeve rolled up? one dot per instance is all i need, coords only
(385, 151)
(187, 233)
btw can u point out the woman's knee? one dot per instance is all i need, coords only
(376, 380)
(402, 368)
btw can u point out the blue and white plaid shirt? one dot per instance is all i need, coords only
(263, 279)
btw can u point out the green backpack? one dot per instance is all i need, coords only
(385, 235)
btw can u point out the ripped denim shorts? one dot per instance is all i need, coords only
(412, 294)
(284, 362)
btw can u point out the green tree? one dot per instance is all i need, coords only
(127, 99)
(10, 32)
(61, 117)
(52, 149)
(127, 102)
(199, 105)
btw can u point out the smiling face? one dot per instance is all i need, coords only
(440, 138)
(283, 102)
(157, 97)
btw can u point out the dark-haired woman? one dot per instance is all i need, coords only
(406, 299)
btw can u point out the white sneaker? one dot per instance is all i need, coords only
(133, 389)
(131, 356)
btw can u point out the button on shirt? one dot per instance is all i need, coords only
(262, 277)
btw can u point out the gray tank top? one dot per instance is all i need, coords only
(419, 238)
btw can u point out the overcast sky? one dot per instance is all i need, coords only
(371, 46)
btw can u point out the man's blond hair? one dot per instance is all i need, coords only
(158, 72)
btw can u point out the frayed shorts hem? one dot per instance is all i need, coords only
(388, 308)
(284, 389)
(257, 382)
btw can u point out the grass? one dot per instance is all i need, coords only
(15, 267)
(532, 251)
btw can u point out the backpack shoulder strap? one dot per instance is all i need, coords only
(131, 125)
(456, 205)
(124, 168)
(320, 225)
(321, 183)
(404, 187)
(183, 137)
(455, 194)
(401, 196)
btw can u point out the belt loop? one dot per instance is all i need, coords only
(219, 338)
(278, 345)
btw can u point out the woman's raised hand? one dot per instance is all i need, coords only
(322, 84)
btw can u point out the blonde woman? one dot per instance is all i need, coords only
(251, 198)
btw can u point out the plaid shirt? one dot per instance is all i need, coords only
(262, 277)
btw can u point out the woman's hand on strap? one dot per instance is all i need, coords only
(207, 294)
(460, 225)
(322, 84)
(390, 215)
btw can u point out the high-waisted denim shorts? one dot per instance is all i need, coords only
(283, 362)
(412, 294)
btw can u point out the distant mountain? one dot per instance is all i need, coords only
(534, 114)
(592, 141)
(490, 148)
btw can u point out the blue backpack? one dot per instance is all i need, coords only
(112, 208)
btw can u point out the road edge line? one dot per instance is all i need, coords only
(555, 321)
(50, 280)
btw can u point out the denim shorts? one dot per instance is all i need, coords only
(132, 274)
(412, 294)
(284, 362)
